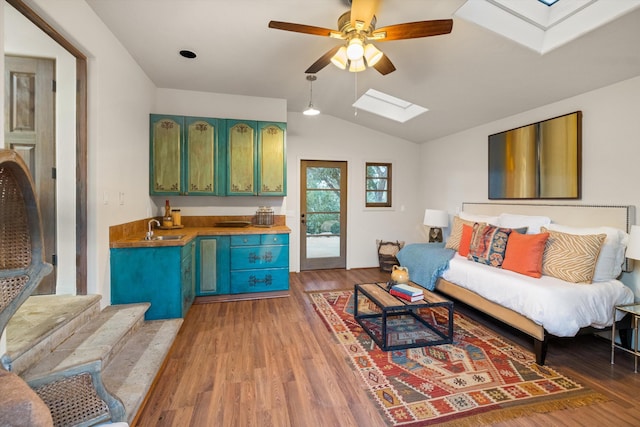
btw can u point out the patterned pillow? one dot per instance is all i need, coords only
(456, 232)
(571, 257)
(488, 244)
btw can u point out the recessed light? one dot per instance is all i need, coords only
(187, 54)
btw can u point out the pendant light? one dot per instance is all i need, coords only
(311, 111)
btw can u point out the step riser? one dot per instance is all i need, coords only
(43, 348)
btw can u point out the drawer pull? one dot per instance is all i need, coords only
(266, 257)
(253, 280)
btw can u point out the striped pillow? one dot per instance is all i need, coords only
(571, 257)
(453, 242)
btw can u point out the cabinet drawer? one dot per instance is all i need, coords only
(245, 240)
(264, 280)
(259, 257)
(274, 239)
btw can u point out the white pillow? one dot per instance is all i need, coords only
(532, 222)
(489, 219)
(611, 258)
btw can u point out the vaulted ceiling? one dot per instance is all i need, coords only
(471, 76)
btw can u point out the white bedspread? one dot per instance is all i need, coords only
(561, 307)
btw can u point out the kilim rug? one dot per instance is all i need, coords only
(480, 378)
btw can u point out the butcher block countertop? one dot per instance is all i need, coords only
(132, 235)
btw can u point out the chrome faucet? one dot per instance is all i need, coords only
(150, 232)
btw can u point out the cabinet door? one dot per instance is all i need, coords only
(166, 142)
(202, 154)
(213, 265)
(272, 169)
(241, 158)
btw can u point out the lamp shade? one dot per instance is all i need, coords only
(633, 248)
(436, 218)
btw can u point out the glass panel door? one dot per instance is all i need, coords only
(323, 214)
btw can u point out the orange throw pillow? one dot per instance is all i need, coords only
(465, 240)
(524, 253)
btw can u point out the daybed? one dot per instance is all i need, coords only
(534, 303)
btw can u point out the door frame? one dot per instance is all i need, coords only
(328, 262)
(81, 139)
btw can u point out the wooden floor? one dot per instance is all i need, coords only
(272, 362)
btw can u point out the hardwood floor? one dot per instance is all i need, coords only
(272, 362)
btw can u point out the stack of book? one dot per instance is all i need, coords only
(406, 292)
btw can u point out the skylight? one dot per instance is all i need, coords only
(388, 106)
(543, 25)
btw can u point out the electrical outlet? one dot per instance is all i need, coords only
(105, 198)
(121, 198)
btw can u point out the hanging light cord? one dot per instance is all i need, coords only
(355, 94)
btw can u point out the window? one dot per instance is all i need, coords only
(378, 185)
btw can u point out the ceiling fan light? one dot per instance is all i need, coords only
(355, 49)
(372, 54)
(357, 65)
(340, 58)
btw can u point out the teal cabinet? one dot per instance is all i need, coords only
(259, 263)
(212, 260)
(272, 159)
(162, 276)
(256, 158)
(186, 156)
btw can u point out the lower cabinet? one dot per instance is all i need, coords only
(259, 263)
(162, 276)
(212, 258)
(242, 264)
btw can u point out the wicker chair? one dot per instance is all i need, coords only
(76, 396)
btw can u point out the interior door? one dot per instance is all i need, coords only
(29, 130)
(323, 214)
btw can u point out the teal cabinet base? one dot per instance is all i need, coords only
(162, 277)
(263, 280)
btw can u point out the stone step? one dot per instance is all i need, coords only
(99, 339)
(42, 323)
(132, 372)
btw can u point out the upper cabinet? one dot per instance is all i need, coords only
(256, 158)
(216, 157)
(242, 156)
(204, 155)
(184, 153)
(272, 162)
(165, 153)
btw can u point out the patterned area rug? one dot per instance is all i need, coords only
(480, 378)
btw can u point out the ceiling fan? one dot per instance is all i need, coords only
(358, 28)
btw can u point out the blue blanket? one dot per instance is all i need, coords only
(425, 262)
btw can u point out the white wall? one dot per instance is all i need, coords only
(610, 152)
(120, 97)
(23, 38)
(325, 137)
(315, 138)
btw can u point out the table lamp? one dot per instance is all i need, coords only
(436, 220)
(633, 247)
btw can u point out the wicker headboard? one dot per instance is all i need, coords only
(621, 217)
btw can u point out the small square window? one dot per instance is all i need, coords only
(378, 185)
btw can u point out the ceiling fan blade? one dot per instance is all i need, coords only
(384, 66)
(412, 30)
(322, 62)
(363, 10)
(300, 28)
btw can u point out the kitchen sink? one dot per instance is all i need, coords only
(166, 237)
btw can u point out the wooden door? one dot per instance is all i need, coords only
(29, 107)
(241, 153)
(166, 177)
(323, 214)
(272, 163)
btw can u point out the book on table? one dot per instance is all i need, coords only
(406, 297)
(407, 289)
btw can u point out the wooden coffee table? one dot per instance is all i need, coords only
(385, 324)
